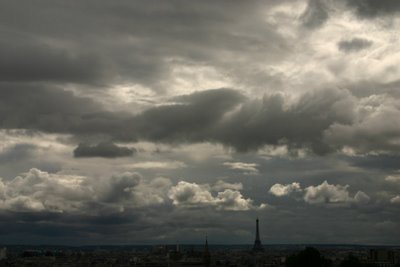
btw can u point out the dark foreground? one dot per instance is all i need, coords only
(196, 255)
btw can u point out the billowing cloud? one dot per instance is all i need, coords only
(321, 121)
(104, 150)
(187, 121)
(280, 190)
(329, 193)
(233, 200)
(324, 193)
(252, 124)
(38, 191)
(191, 195)
(41, 191)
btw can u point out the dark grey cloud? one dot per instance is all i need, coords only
(374, 8)
(321, 121)
(389, 162)
(255, 123)
(103, 42)
(53, 110)
(103, 149)
(354, 45)
(38, 64)
(269, 121)
(26, 59)
(205, 117)
(192, 120)
(315, 15)
(120, 187)
(318, 12)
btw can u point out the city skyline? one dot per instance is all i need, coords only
(148, 122)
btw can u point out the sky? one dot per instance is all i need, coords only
(153, 122)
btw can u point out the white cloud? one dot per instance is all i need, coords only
(190, 193)
(221, 185)
(323, 193)
(193, 195)
(233, 200)
(247, 168)
(280, 190)
(37, 191)
(395, 200)
(393, 178)
(23, 203)
(326, 193)
(329, 193)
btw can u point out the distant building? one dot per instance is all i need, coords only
(3, 253)
(384, 257)
(258, 247)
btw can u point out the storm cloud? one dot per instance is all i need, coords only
(105, 150)
(374, 8)
(141, 121)
(320, 121)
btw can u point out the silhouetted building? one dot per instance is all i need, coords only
(207, 256)
(257, 243)
(384, 257)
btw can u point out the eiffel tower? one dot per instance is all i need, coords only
(258, 247)
(207, 256)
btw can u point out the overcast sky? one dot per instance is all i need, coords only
(145, 122)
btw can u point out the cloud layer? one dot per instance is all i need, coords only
(324, 193)
(38, 191)
(148, 122)
(104, 149)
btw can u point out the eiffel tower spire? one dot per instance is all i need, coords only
(206, 256)
(258, 247)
